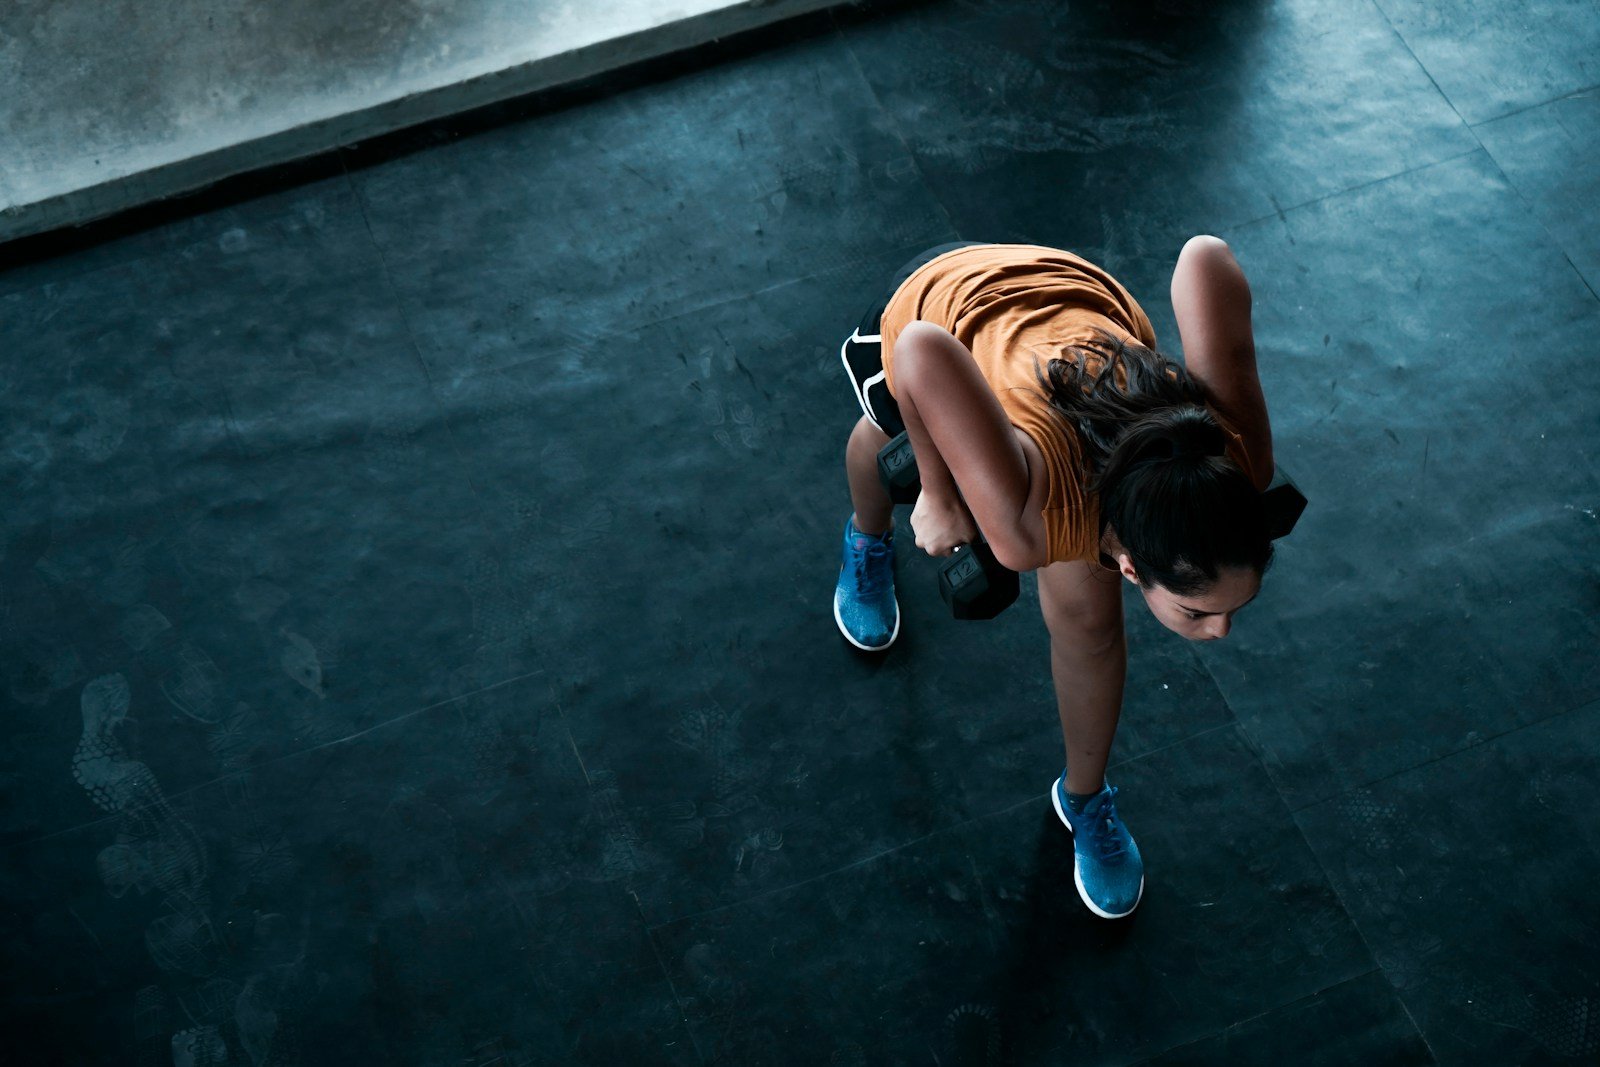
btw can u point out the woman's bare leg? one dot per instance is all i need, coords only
(874, 509)
(1082, 606)
(1089, 685)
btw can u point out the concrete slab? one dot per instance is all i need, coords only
(111, 106)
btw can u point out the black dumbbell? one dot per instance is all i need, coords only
(897, 469)
(1283, 502)
(972, 581)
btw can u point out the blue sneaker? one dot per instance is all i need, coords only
(863, 600)
(1106, 865)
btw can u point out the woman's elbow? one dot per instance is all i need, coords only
(1015, 551)
(1208, 276)
(1207, 256)
(1205, 244)
(1012, 562)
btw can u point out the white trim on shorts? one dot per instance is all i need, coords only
(849, 372)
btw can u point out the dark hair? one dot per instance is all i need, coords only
(1178, 504)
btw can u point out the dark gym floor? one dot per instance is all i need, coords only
(417, 643)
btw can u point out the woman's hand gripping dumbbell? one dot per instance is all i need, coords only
(971, 580)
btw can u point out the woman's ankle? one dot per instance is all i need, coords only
(871, 533)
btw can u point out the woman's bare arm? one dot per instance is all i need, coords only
(1211, 301)
(962, 438)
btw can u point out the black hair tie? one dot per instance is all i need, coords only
(1183, 448)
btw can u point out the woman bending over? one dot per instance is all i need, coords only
(1041, 414)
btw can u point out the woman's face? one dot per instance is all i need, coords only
(1203, 616)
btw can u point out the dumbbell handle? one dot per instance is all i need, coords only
(971, 581)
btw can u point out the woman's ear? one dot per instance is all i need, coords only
(1125, 565)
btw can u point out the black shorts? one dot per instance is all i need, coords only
(862, 351)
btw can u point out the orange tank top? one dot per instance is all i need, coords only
(1015, 308)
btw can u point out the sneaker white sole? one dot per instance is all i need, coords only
(1077, 875)
(866, 648)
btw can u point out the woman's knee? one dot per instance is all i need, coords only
(867, 436)
(1091, 641)
(1081, 605)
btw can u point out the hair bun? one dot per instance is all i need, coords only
(1193, 432)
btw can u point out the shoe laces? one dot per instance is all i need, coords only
(1103, 828)
(872, 565)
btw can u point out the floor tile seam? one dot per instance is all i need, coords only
(1375, 969)
(891, 122)
(1232, 723)
(1534, 107)
(1581, 276)
(1384, 15)
(1257, 752)
(1533, 213)
(1258, 749)
(1472, 129)
(1032, 798)
(295, 754)
(1355, 925)
(1554, 239)
(1399, 997)
(1410, 1016)
(1331, 797)
(655, 948)
(1412, 170)
(1350, 916)
(1283, 213)
(1333, 888)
